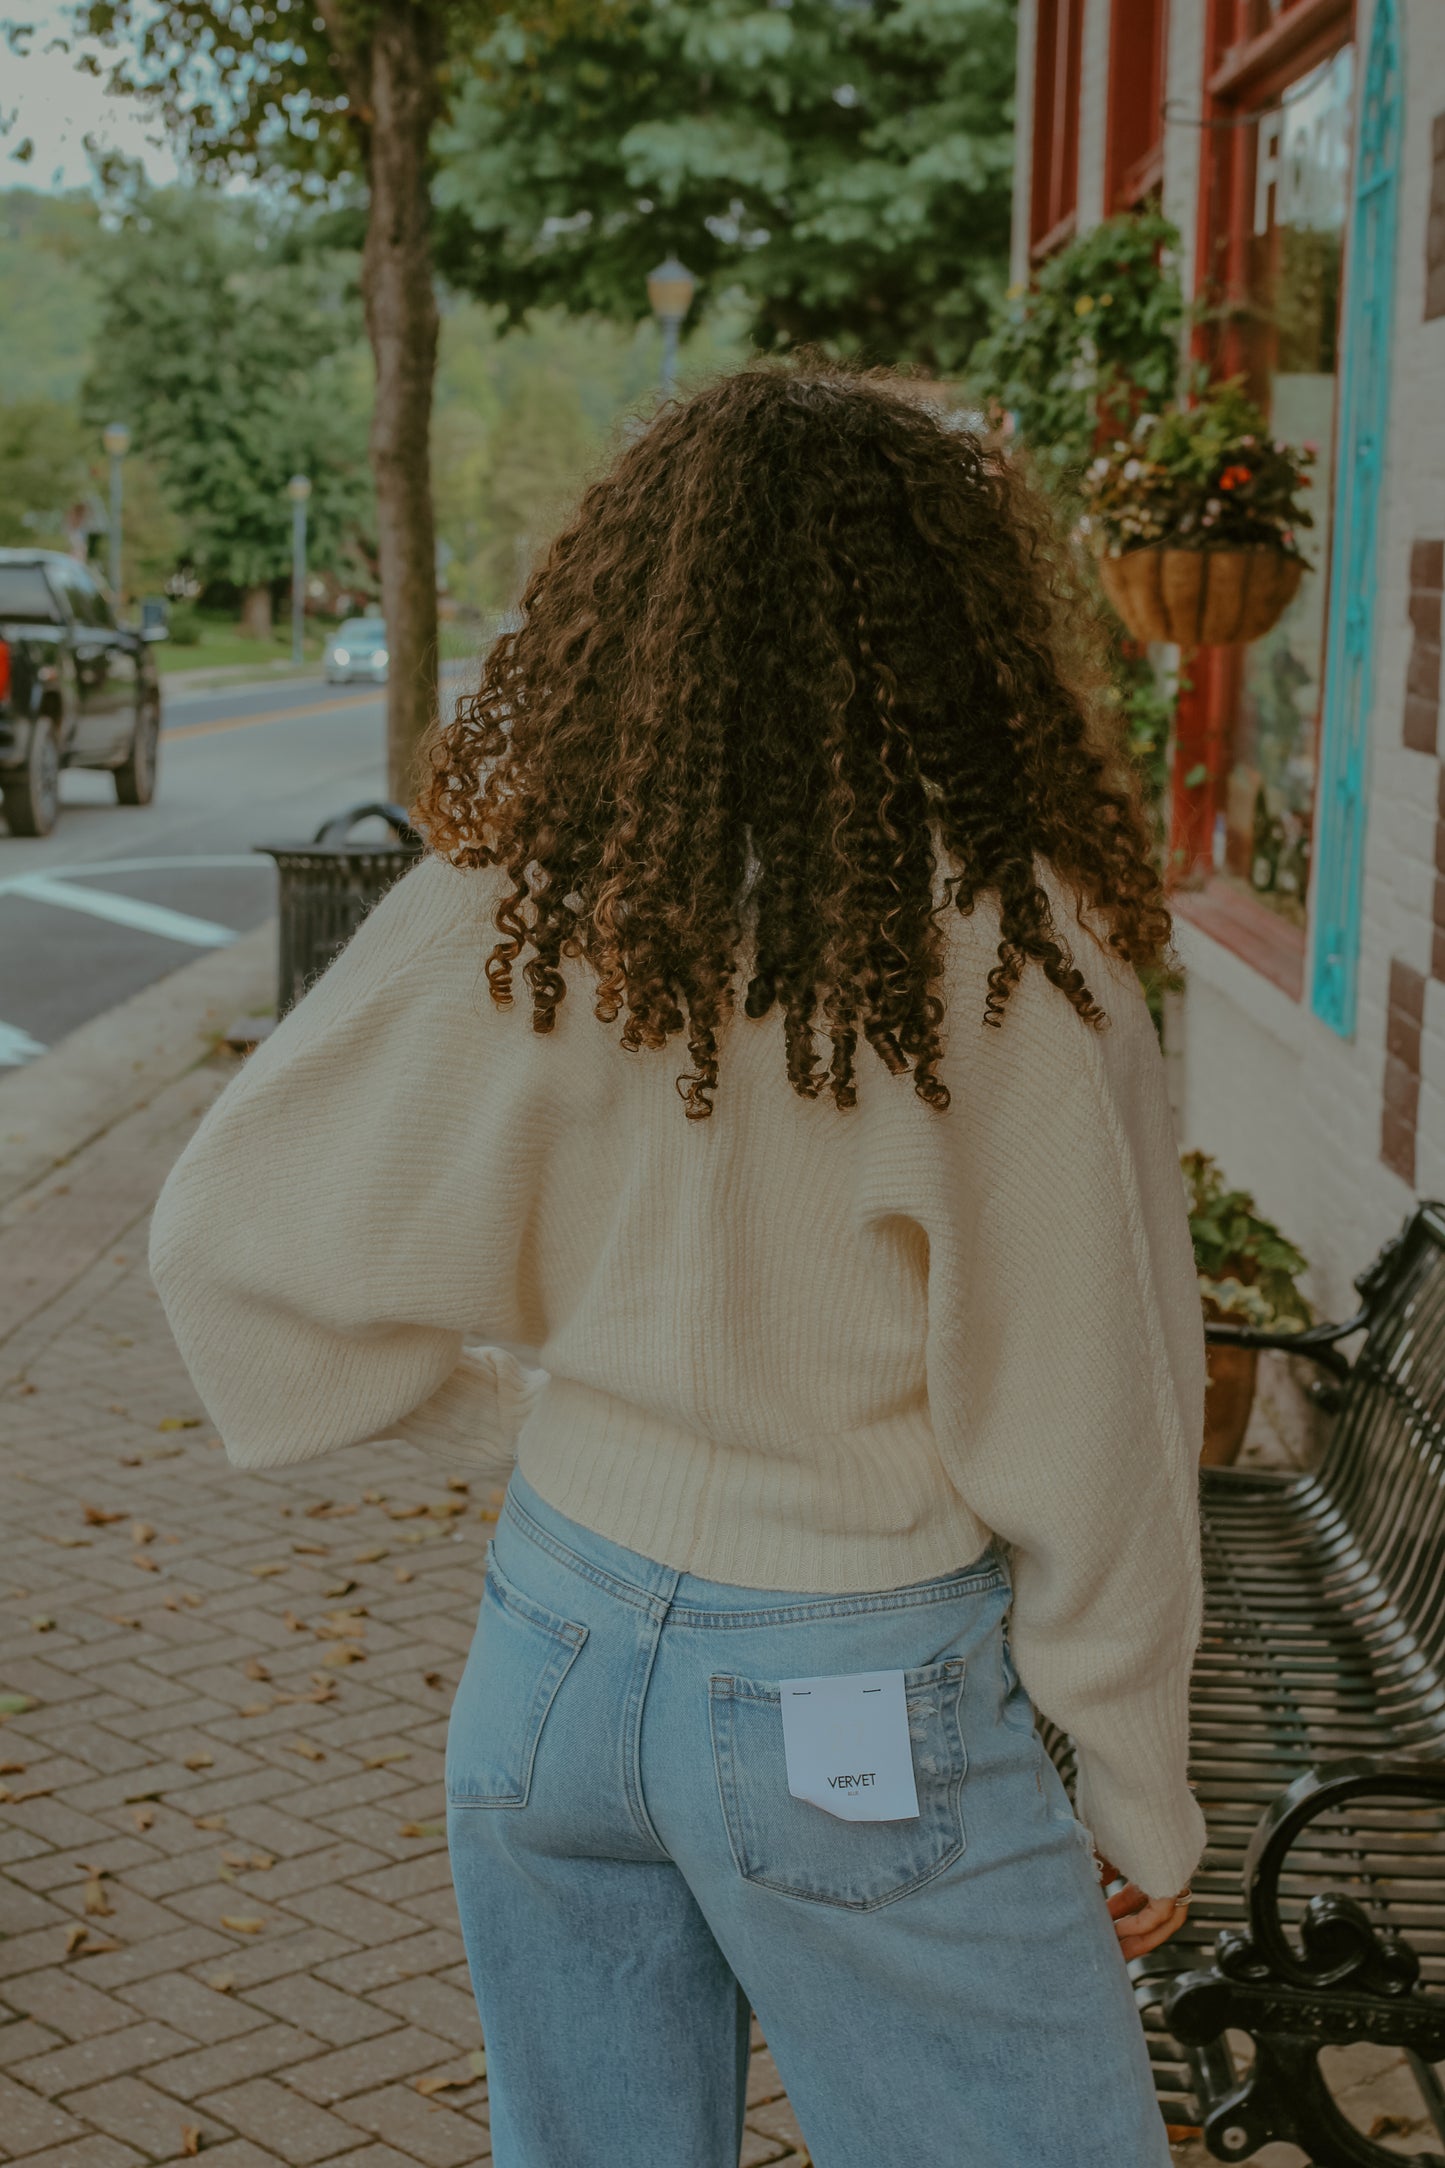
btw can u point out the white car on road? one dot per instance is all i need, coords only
(357, 650)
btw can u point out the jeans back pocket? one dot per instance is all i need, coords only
(787, 1844)
(520, 1654)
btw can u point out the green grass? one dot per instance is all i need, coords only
(223, 646)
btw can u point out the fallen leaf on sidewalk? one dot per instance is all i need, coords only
(322, 1505)
(341, 1588)
(180, 1422)
(133, 1623)
(256, 1708)
(322, 1688)
(405, 1513)
(142, 1532)
(264, 1572)
(423, 1829)
(146, 1563)
(255, 1669)
(373, 1497)
(97, 1905)
(42, 1625)
(292, 1623)
(16, 1704)
(80, 1942)
(312, 1550)
(221, 1983)
(242, 1924)
(192, 1599)
(249, 1862)
(199, 1760)
(371, 1556)
(1393, 2126)
(434, 1680)
(345, 1654)
(190, 2139)
(439, 2084)
(404, 1573)
(36, 1791)
(12, 1768)
(382, 1761)
(477, 2062)
(67, 1543)
(142, 1817)
(97, 1517)
(458, 1483)
(208, 1821)
(307, 1748)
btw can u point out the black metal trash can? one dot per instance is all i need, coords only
(329, 885)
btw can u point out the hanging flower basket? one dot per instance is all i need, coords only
(1200, 597)
(1196, 516)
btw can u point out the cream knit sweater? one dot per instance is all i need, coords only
(786, 1347)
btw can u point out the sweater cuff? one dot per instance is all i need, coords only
(472, 1420)
(1153, 1833)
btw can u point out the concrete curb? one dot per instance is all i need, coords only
(121, 1060)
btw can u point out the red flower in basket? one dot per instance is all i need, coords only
(1235, 478)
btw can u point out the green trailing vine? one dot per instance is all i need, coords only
(1097, 335)
(1071, 359)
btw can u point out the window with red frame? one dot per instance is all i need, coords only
(1054, 193)
(1273, 215)
(1138, 33)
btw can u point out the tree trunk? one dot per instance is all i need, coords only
(256, 613)
(401, 322)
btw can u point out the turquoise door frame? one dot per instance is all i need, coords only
(1354, 557)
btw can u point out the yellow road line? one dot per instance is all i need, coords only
(281, 715)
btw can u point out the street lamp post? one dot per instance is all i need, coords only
(670, 289)
(116, 439)
(298, 489)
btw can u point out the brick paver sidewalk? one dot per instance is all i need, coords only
(226, 1920)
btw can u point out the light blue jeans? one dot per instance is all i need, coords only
(632, 1872)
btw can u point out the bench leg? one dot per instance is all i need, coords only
(1285, 2100)
(1432, 2092)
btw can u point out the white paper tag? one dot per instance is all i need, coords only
(847, 1746)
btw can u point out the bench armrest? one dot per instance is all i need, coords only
(1318, 1342)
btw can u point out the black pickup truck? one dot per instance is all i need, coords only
(77, 690)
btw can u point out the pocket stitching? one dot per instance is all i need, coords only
(570, 1638)
(736, 1819)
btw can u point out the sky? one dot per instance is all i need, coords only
(45, 97)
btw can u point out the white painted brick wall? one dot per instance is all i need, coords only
(1292, 1111)
(1093, 111)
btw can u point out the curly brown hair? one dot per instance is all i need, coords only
(803, 612)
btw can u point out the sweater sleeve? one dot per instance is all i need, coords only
(315, 1261)
(1066, 1383)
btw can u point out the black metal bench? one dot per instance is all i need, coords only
(1319, 1747)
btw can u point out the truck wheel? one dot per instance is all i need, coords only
(32, 794)
(135, 778)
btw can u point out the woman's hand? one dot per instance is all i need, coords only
(1141, 1922)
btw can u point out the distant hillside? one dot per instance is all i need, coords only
(48, 304)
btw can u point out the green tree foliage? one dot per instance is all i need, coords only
(47, 301)
(522, 419)
(44, 470)
(231, 345)
(847, 166)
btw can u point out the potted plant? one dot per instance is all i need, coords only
(1195, 516)
(1248, 1274)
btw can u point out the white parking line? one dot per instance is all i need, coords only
(98, 869)
(17, 1046)
(121, 910)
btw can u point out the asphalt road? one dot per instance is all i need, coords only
(119, 895)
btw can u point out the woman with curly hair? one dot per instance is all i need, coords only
(834, 1319)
